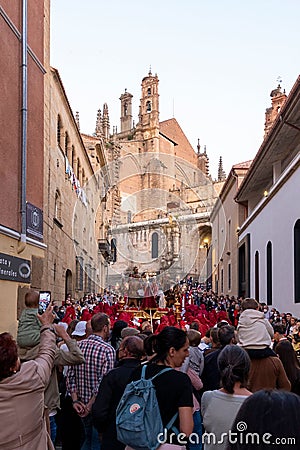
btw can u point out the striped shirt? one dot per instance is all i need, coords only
(84, 379)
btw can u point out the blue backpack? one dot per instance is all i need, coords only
(138, 417)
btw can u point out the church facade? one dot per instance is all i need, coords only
(161, 196)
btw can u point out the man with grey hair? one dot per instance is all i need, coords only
(113, 384)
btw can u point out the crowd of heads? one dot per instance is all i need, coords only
(203, 311)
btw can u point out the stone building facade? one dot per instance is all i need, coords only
(161, 196)
(73, 206)
(269, 234)
(228, 215)
(21, 152)
(73, 188)
(225, 219)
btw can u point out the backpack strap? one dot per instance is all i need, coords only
(167, 369)
(143, 372)
(170, 424)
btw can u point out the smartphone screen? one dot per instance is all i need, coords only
(45, 299)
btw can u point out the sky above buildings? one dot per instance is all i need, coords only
(217, 62)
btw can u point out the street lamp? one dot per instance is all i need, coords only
(206, 243)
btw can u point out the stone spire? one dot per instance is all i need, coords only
(206, 162)
(105, 122)
(198, 147)
(221, 172)
(77, 120)
(98, 129)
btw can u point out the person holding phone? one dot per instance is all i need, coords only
(22, 387)
(29, 327)
(44, 301)
(62, 357)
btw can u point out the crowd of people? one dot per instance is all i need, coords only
(203, 309)
(222, 362)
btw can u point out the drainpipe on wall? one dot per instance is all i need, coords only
(22, 243)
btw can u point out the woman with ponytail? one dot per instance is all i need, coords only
(220, 407)
(173, 388)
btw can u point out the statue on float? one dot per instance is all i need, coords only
(144, 291)
(135, 288)
(150, 293)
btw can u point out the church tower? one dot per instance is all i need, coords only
(202, 160)
(148, 125)
(126, 111)
(278, 99)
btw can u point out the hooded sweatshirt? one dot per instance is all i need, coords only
(254, 331)
(28, 334)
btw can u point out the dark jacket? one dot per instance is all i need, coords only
(211, 376)
(110, 392)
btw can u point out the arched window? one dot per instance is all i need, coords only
(66, 143)
(58, 132)
(57, 206)
(149, 91)
(68, 283)
(154, 245)
(148, 106)
(216, 284)
(75, 228)
(229, 235)
(229, 276)
(73, 156)
(113, 249)
(87, 278)
(297, 261)
(79, 273)
(256, 274)
(78, 169)
(269, 274)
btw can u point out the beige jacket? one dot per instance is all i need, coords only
(62, 358)
(22, 401)
(254, 331)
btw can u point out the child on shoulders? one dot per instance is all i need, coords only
(253, 330)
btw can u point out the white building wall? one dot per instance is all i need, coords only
(275, 223)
